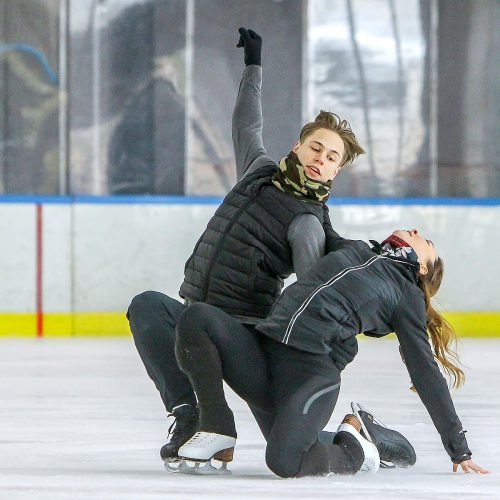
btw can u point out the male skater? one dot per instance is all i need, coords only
(272, 223)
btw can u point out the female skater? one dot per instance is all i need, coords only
(353, 289)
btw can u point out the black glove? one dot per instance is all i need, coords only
(343, 352)
(252, 42)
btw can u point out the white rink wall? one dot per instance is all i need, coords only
(97, 256)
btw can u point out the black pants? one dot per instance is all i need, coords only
(296, 390)
(153, 317)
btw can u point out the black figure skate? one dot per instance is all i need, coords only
(394, 449)
(183, 428)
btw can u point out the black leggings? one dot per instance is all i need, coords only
(153, 317)
(296, 390)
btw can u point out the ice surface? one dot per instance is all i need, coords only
(79, 418)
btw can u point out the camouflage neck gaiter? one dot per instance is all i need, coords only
(291, 178)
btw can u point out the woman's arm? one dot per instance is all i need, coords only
(409, 322)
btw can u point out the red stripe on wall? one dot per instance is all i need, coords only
(39, 270)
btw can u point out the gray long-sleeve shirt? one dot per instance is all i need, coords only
(306, 235)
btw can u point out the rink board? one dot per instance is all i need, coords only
(71, 267)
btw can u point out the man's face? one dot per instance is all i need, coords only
(320, 154)
(423, 248)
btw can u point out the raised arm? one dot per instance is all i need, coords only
(249, 149)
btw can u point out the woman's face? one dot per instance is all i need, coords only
(423, 248)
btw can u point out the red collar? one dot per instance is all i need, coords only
(395, 242)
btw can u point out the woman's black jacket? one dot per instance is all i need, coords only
(353, 290)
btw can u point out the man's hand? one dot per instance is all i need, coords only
(344, 351)
(470, 466)
(252, 43)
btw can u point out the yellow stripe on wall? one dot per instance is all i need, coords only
(107, 323)
(466, 324)
(65, 324)
(475, 323)
(18, 324)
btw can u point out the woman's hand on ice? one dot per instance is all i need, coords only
(470, 466)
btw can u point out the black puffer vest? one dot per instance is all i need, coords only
(241, 259)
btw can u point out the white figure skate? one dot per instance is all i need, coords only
(197, 453)
(352, 425)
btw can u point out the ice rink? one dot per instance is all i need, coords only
(80, 419)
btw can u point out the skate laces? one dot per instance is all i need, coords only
(179, 425)
(197, 438)
(171, 429)
(203, 438)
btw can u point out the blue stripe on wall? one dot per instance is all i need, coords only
(216, 200)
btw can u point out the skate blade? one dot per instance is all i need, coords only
(195, 468)
(356, 408)
(384, 464)
(172, 464)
